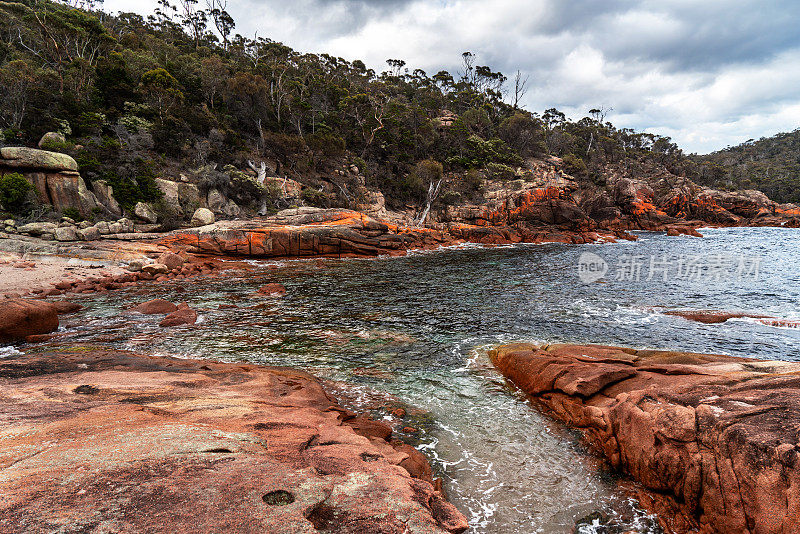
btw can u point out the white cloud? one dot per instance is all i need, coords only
(708, 73)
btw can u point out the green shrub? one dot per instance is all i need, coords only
(134, 183)
(327, 144)
(241, 188)
(315, 197)
(168, 217)
(473, 180)
(479, 152)
(72, 213)
(524, 134)
(426, 172)
(498, 171)
(232, 184)
(574, 165)
(87, 163)
(429, 170)
(451, 198)
(14, 189)
(56, 146)
(361, 164)
(476, 120)
(412, 187)
(90, 123)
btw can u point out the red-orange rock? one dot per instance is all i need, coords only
(272, 290)
(39, 338)
(63, 307)
(171, 260)
(154, 307)
(364, 426)
(782, 323)
(714, 438)
(151, 444)
(179, 317)
(710, 317)
(20, 318)
(416, 463)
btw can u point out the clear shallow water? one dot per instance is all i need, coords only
(416, 329)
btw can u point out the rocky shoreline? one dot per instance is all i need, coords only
(124, 260)
(107, 440)
(752, 490)
(712, 439)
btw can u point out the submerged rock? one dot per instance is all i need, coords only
(63, 307)
(155, 307)
(180, 317)
(272, 290)
(711, 317)
(714, 438)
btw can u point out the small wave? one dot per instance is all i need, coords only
(773, 322)
(6, 352)
(441, 248)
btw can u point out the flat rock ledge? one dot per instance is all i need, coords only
(314, 232)
(99, 440)
(712, 439)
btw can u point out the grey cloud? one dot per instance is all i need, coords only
(711, 35)
(703, 70)
(324, 19)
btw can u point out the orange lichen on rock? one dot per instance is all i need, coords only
(713, 439)
(643, 204)
(788, 212)
(95, 436)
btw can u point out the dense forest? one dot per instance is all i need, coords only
(770, 164)
(179, 91)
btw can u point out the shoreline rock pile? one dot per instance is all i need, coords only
(70, 230)
(713, 439)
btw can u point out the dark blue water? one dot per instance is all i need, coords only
(415, 330)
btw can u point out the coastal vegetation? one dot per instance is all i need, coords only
(770, 164)
(140, 97)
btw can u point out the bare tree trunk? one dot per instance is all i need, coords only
(520, 88)
(262, 179)
(262, 171)
(433, 192)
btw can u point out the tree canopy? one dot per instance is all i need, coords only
(178, 88)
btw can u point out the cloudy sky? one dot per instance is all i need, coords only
(708, 73)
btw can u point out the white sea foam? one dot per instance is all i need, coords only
(6, 352)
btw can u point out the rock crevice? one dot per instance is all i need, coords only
(713, 439)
